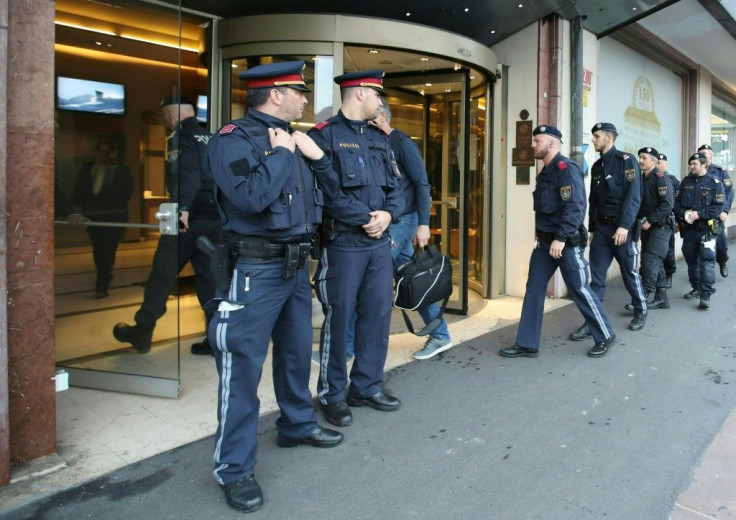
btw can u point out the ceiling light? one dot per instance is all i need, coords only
(633, 8)
(373, 51)
(493, 32)
(472, 77)
(408, 14)
(448, 90)
(234, 65)
(521, 5)
(423, 59)
(457, 66)
(98, 43)
(427, 84)
(75, 26)
(467, 9)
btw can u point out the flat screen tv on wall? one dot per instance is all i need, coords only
(84, 95)
(202, 108)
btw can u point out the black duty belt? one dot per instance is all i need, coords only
(344, 228)
(543, 235)
(607, 220)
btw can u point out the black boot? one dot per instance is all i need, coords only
(638, 322)
(138, 335)
(202, 348)
(660, 300)
(668, 284)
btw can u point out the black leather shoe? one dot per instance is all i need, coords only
(724, 270)
(244, 494)
(380, 401)
(202, 348)
(582, 333)
(692, 294)
(320, 438)
(137, 335)
(668, 283)
(517, 351)
(337, 413)
(600, 349)
(638, 322)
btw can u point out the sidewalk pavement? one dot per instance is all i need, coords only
(646, 432)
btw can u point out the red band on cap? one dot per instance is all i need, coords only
(363, 82)
(289, 79)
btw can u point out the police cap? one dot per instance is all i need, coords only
(176, 100)
(662, 157)
(705, 147)
(697, 157)
(649, 150)
(548, 130)
(284, 74)
(366, 78)
(604, 127)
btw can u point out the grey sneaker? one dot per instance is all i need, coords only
(432, 347)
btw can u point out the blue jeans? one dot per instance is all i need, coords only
(402, 250)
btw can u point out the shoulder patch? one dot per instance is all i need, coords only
(625, 156)
(565, 192)
(720, 197)
(227, 129)
(727, 182)
(320, 126)
(630, 174)
(663, 190)
(659, 174)
(561, 165)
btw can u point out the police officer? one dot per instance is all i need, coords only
(721, 240)
(271, 207)
(658, 199)
(615, 196)
(670, 265)
(192, 187)
(355, 270)
(559, 205)
(698, 203)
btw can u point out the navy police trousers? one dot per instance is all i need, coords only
(602, 253)
(354, 281)
(574, 269)
(261, 305)
(700, 255)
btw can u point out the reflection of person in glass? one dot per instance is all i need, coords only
(192, 187)
(102, 191)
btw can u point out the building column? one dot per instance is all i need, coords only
(29, 273)
(4, 415)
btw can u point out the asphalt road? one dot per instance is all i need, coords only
(561, 437)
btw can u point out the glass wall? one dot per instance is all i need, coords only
(722, 134)
(115, 62)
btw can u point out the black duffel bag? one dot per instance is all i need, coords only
(425, 279)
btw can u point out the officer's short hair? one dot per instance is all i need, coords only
(345, 93)
(386, 110)
(258, 96)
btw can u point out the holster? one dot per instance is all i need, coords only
(329, 229)
(221, 261)
(636, 231)
(584, 237)
(295, 257)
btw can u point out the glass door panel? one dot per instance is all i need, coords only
(109, 165)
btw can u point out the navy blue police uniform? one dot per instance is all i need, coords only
(355, 271)
(559, 206)
(657, 202)
(271, 207)
(189, 184)
(615, 197)
(670, 265)
(721, 239)
(706, 195)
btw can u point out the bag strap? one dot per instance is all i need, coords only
(429, 327)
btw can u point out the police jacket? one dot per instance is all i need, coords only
(559, 198)
(188, 181)
(657, 198)
(720, 174)
(615, 188)
(414, 184)
(364, 177)
(703, 194)
(263, 191)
